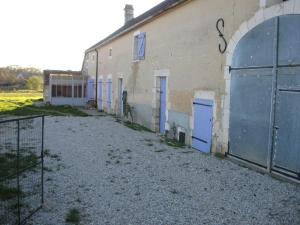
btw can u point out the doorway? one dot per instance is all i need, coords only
(264, 122)
(203, 123)
(163, 105)
(100, 95)
(120, 96)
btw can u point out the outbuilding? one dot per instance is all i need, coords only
(65, 88)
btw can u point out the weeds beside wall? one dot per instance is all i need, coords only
(21, 169)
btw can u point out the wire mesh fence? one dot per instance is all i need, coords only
(21, 169)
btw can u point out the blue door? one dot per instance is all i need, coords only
(109, 93)
(90, 89)
(100, 104)
(163, 105)
(120, 97)
(203, 119)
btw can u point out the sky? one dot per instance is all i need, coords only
(53, 34)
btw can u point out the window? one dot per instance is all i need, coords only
(76, 94)
(69, 92)
(110, 52)
(53, 90)
(61, 91)
(84, 90)
(64, 91)
(139, 46)
(77, 91)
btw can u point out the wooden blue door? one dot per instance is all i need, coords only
(203, 119)
(109, 93)
(100, 101)
(90, 89)
(163, 105)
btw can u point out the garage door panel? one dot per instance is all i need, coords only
(289, 40)
(287, 139)
(250, 115)
(249, 50)
(250, 142)
(289, 77)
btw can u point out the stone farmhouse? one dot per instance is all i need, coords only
(222, 76)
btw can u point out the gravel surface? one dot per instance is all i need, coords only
(115, 175)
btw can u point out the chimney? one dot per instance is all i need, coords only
(128, 13)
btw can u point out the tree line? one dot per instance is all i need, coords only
(17, 77)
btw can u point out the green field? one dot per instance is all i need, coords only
(22, 103)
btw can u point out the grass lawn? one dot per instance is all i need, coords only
(21, 103)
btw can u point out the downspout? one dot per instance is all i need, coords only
(97, 58)
(83, 83)
(83, 63)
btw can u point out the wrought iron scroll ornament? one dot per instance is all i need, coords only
(221, 23)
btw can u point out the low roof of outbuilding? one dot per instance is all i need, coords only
(69, 72)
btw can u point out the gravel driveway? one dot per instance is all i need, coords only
(115, 175)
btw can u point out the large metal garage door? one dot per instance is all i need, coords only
(265, 96)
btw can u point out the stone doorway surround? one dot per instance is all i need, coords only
(156, 98)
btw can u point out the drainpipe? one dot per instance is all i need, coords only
(82, 67)
(83, 82)
(97, 58)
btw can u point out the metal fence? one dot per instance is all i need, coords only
(21, 169)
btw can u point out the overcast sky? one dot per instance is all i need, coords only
(53, 34)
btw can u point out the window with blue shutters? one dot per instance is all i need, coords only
(139, 46)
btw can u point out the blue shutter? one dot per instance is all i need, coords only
(140, 42)
(141, 45)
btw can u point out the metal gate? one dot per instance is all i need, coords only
(265, 96)
(21, 169)
(203, 120)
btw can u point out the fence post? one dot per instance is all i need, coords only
(42, 155)
(18, 171)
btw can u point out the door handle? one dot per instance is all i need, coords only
(276, 127)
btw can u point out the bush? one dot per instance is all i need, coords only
(34, 83)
